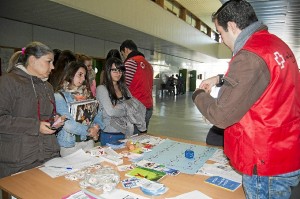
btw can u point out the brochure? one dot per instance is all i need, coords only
(223, 183)
(158, 167)
(149, 174)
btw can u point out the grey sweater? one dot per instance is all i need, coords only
(122, 116)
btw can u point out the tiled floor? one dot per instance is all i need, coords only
(177, 116)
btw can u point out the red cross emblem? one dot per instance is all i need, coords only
(279, 59)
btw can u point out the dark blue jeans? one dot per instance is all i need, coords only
(270, 187)
(106, 137)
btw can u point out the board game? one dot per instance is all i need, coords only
(172, 155)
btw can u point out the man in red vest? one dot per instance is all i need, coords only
(139, 77)
(258, 104)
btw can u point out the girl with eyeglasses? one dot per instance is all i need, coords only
(120, 110)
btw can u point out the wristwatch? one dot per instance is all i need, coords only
(221, 80)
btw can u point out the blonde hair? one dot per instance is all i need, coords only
(82, 57)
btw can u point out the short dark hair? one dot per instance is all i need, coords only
(113, 53)
(128, 44)
(239, 11)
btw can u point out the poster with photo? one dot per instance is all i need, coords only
(84, 111)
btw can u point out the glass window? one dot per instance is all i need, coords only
(176, 10)
(188, 18)
(203, 28)
(193, 22)
(168, 5)
(171, 7)
(213, 36)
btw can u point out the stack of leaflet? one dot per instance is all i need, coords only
(107, 154)
(74, 162)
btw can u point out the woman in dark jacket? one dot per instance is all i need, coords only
(26, 109)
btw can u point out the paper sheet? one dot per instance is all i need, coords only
(119, 193)
(219, 157)
(192, 194)
(63, 165)
(217, 169)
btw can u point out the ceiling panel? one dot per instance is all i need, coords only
(281, 16)
(52, 15)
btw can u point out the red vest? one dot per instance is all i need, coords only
(142, 82)
(268, 135)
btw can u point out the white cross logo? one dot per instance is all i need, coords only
(279, 59)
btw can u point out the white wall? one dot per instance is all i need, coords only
(159, 23)
(16, 34)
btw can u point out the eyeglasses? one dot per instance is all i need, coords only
(116, 70)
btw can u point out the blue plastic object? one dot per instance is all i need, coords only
(189, 154)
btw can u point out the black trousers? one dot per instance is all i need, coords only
(215, 136)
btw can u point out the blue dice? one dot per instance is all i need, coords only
(189, 154)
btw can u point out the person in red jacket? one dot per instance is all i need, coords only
(139, 77)
(258, 104)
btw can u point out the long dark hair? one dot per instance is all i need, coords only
(109, 83)
(69, 73)
(64, 58)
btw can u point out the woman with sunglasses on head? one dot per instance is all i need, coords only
(26, 108)
(119, 109)
(88, 61)
(73, 87)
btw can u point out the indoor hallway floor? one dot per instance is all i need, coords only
(177, 116)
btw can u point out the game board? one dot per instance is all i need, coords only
(172, 154)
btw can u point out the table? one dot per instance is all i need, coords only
(36, 184)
